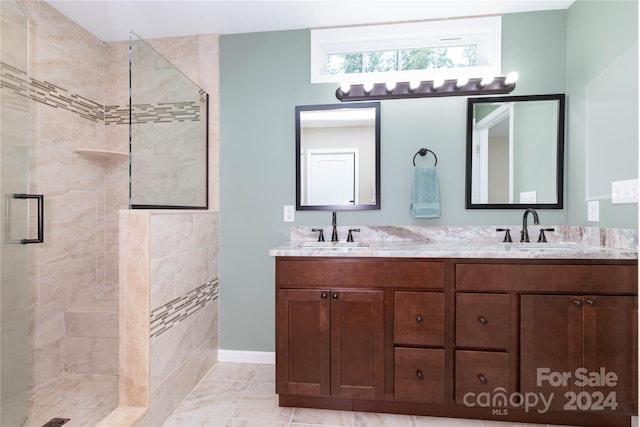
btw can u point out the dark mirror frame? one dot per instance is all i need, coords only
(471, 102)
(348, 207)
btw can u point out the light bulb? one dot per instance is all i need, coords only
(368, 86)
(461, 82)
(414, 84)
(512, 77)
(486, 80)
(390, 86)
(345, 88)
(437, 83)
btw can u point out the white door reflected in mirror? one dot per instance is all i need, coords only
(333, 176)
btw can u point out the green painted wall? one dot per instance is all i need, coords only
(263, 76)
(602, 90)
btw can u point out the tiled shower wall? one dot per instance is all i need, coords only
(75, 78)
(169, 307)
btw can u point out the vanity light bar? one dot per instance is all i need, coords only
(427, 88)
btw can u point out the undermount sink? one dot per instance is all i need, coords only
(333, 245)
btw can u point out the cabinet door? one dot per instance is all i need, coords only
(357, 344)
(551, 342)
(303, 342)
(610, 344)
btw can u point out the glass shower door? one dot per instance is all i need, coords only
(14, 215)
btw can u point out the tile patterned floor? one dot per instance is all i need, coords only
(239, 394)
(85, 399)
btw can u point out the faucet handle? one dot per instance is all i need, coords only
(321, 235)
(350, 235)
(542, 238)
(507, 234)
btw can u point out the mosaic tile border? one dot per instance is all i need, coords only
(162, 112)
(55, 96)
(167, 316)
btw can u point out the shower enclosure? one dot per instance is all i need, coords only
(14, 178)
(168, 133)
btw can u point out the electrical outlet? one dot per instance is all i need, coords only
(288, 213)
(593, 211)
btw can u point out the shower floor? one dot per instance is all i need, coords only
(84, 398)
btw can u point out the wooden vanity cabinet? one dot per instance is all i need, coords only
(416, 336)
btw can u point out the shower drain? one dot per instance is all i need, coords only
(54, 422)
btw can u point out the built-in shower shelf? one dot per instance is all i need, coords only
(101, 153)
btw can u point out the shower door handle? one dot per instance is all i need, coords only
(40, 199)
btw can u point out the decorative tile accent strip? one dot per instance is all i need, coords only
(165, 112)
(165, 317)
(15, 80)
(54, 96)
(57, 97)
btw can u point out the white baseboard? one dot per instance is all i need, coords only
(263, 357)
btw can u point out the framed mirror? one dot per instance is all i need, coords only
(515, 152)
(338, 156)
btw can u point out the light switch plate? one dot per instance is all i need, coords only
(593, 211)
(624, 192)
(288, 213)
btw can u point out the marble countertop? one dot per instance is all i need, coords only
(457, 249)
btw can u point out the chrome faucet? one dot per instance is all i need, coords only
(524, 234)
(334, 233)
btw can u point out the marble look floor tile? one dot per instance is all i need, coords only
(370, 419)
(233, 372)
(84, 398)
(243, 395)
(183, 420)
(236, 422)
(260, 402)
(265, 373)
(446, 422)
(323, 417)
(213, 399)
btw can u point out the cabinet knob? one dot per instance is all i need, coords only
(483, 320)
(334, 296)
(578, 302)
(483, 380)
(419, 319)
(591, 302)
(324, 295)
(419, 375)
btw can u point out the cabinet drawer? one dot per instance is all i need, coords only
(418, 318)
(548, 277)
(419, 374)
(482, 320)
(348, 272)
(480, 371)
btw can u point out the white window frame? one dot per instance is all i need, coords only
(485, 32)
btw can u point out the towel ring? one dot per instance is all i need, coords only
(423, 152)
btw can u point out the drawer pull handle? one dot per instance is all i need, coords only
(591, 302)
(483, 320)
(578, 302)
(419, 319)
(334, 296)
(482, 379)
(419, 375)
(324, 295)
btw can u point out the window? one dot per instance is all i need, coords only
(426, 50)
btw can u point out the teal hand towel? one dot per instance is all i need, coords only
(426, 193)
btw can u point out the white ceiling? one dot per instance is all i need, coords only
(111, 20)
